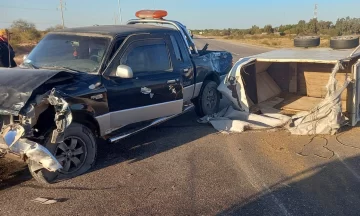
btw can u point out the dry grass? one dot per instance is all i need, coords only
(272, 41)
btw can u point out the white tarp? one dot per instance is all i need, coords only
(325, 118)
(230, 120)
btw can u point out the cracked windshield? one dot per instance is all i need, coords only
(81, 53)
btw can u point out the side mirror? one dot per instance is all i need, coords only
(124, 71)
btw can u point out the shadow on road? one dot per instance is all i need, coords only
(164, 137)
(12, 173)
(329, 189)
(153, 141)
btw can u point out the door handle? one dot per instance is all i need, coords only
(186, 70)
(145, 90)
(171, 81)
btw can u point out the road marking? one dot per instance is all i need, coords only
(259, 185)
(357, 176)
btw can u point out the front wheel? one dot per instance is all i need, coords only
(208, 101)
(77, 154)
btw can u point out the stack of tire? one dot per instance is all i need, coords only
(341, 42)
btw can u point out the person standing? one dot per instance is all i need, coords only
(7, 53)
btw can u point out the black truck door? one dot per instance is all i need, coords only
(184, 65)
(155, 89)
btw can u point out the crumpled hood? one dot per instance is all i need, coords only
(17, 85)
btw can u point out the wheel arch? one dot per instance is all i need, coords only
(87, 119)
(214, 76)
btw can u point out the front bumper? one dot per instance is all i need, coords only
(11, 141)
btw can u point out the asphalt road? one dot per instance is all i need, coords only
(186, 168)
(237, 50)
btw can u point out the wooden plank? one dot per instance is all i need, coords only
(293, 78)
(303, 103)
(316, 84)
(266, 87)
(279, 72)
(312, 79)
(301, 83)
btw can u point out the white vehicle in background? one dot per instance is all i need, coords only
(191, 34)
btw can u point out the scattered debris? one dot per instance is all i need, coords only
(48, 201)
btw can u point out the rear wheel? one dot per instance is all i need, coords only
(208, 101)
(77, 154)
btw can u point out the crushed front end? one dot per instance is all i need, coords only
(17, 131)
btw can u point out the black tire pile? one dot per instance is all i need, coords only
(340, 42)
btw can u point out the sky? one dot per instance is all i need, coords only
(195, 14)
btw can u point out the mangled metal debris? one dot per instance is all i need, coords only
(13, 142)
(15, 137)
(63, 117)
(47, 201)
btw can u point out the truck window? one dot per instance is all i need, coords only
(116, 47)
(147, 58)
(182, 47)
(176, 48)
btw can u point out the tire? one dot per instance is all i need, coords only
(344, 42)
(85, 143)
(307, 41)
(208, 101)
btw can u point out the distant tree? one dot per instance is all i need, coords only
(343, 26)
(325, 25)
(312, 26)
(24, 32)
(22, 25)
(255, 30)
(268, 29)
(287, 28)
(356, 25)
(301, 27)
(227, 32)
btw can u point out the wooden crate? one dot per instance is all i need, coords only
(313, 78)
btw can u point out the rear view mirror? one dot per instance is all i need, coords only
(124, 71)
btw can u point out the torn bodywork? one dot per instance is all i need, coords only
(17, 132)
(263, 98)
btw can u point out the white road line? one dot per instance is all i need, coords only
(255, 180)
(357, 176)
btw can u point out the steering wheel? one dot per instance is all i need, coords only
(95, 58)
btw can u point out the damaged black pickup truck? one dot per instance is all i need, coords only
(80, 84)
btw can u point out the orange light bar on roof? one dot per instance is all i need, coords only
(153, 14)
